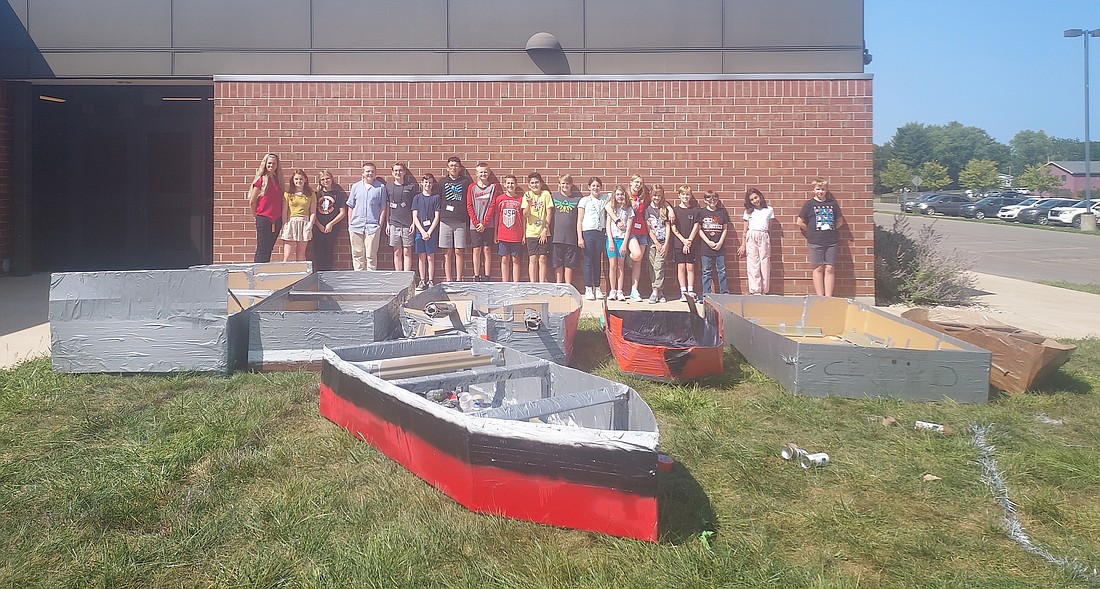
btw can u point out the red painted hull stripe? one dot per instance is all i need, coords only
(497, 491)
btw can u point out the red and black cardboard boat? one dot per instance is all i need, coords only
(667, 342)
(529, 439)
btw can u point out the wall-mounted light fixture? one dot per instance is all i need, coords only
(50, 98)
(545, 50)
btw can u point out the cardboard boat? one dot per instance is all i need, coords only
(289, 328)
(670, 343)
(533, 317)
(823, 346)
(157, 321)
(1019, 358)
(552, 444)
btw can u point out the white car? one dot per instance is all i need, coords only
(1009, 213)
(1071, 215)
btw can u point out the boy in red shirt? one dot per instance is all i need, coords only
(480, 198)
(509, 229)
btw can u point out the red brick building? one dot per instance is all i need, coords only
(712, 134)
(129, 132)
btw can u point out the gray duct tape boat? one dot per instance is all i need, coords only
(502, 432)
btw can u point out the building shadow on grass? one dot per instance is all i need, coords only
(684, 510)
(590, 349)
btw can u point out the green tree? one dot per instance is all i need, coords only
(1038, 179)
(911, 144)
(955, 144)
(882, 154)
(979, 175)
(1030, 148)
(933, 176)
(896, 175)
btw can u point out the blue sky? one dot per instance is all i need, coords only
(1002, 66)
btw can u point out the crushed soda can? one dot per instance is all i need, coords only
(933, 427)
(815, 460)
(791, 452)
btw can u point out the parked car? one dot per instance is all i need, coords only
(1071, 215)
(947, 204)
(910, 202)
(1038, 213)
(1008, 213)
(988, 206)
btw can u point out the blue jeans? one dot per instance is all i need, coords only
(594, 243)
(719, 264)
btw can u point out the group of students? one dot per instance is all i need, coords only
(628, 227)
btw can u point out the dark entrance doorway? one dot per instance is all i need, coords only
(121, 177)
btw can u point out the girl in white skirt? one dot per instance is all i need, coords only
(299, 213)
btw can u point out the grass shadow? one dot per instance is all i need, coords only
(684, 510)
(590, 348)
(1062, 382)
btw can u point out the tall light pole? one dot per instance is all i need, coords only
(1088, 220)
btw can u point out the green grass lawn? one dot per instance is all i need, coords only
(204, 481)
(1091, 287)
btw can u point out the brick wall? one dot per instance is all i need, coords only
(6, 196)
(723, 135)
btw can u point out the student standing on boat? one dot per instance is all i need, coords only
(565, 254)
(425, 218)
(299, 215)
(479, 208)
(685, 226)
(620, 218)
(757, 245)
(331, 211)
(639, 198)
(399, 196)
(454, 218)
(657, 220)
(265, 199)
(714, 224)
(819, 220)
(510, 229)
(367, 217)
(592, 237)
(538, 214)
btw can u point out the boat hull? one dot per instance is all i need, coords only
(574, 477)
(667, 346)
(823, 346)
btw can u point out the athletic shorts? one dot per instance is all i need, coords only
(420, 246)
(483, 239)
(680, 257)
(565, 255)
(506, 248)
(400, 237)
(534, 248)
(453, 234)
(613, 248)
(822, 255)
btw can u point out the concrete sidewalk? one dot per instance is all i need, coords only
(1051, 311)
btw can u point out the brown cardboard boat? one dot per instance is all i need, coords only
(1019, 358)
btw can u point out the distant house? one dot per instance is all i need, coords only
(1072, 175)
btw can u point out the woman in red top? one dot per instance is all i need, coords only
(265, 198)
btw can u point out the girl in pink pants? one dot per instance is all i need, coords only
(756, 248)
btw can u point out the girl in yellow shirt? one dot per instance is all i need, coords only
(299, 213)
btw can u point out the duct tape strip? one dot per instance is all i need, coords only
(995, 480)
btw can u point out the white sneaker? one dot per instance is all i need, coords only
(619, 295)
(589, 293)
(683, 296)
(599, 293)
